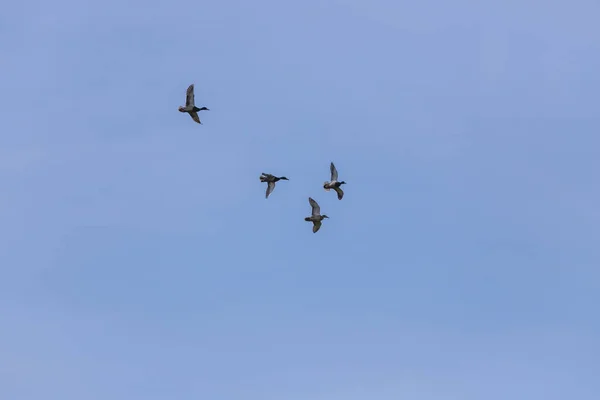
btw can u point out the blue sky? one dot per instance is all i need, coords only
(140, 259)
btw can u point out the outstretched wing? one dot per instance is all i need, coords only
(195, 116)
(270, 187)
(339, 191)
(189, 96)
(316, 226)
(334, 173)
(316, 210)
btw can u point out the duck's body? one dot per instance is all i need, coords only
(271, 179)
(316, 216)
(190, 106)
(333, 183)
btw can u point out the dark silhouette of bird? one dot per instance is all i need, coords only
(271, 179)
(316, 216)
(333, 183)
(190, 105)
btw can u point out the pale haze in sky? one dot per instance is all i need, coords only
(139, 258)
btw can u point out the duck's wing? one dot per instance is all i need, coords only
(339, 191)
(189, 96)
(270, 188)
(195, 116)
(316, 226)
(334, 173)
(316, 210)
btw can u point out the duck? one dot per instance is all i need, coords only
(316, 216)
(333, 183)
(271, 179)
(190, 106)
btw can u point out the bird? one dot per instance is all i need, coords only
(333, 183)
(271, 179)
(316, 216)
(190, 106)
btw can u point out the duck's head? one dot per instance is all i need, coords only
(203, 109)
(342, 182)
(181, 109)
(284, 178)
(324, 216)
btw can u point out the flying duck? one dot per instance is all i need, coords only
(190, 106)
(316, 216)
(333, 183)
(271, 179)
